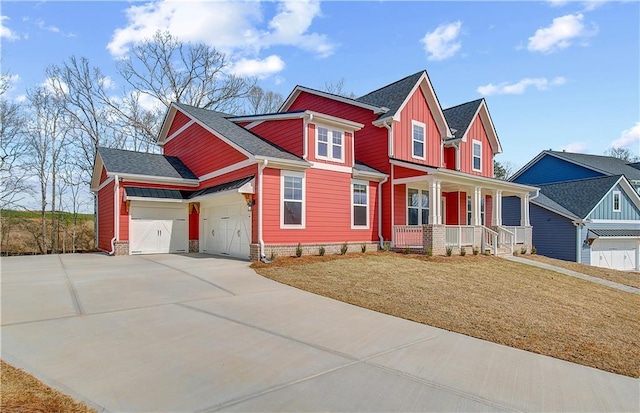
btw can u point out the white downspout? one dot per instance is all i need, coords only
(116, 214)
(389, 138)
(386, 178)
(260, 176)
(305, 134)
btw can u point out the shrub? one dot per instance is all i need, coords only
(407, 250)
(487, 252)
(298, 250)
(463, 251)
(343, 248)
(533, 250)
(428, 252)
(476, 250)
(516, 252)
(321, 251)
(449, 251)
(363, 248)
(523, 250)
(273, 256)
(386, 247)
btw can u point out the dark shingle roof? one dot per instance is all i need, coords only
(549, 203)
(635, 165)
(154, 193)
(243, 138)
(141, 163)
(359, 166)
(222, 187)
(460, 117)
(581, 196)
(392, 96)
(605, 164)
(616, 232)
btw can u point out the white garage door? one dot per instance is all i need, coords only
(158, 230)
(615, 254)
(227, 228)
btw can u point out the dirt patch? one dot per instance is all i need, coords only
(21, 392)
(632, 279)
(485, 297)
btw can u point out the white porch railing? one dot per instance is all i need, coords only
(520, 234)
(408, 236)
(459, 236)
(506, 238)
(489, 240)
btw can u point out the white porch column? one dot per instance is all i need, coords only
(476, 219)
(435, 217)
(457, 157)
(438, 202)
(497, 208)
(524, 211)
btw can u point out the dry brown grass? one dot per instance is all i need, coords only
(485, 297)
(632, 279)
(21, 393)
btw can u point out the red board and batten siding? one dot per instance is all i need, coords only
(105, 217)
(418, 110)
(288, 134)
(327, 209)
(477, 132)
(201, 151)
(179, 120)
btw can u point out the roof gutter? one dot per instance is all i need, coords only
(116, 214)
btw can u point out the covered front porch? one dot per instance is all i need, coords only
(435, 209)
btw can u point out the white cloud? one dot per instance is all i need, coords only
(256, 67)
(520, 87)
(557, 3)
(50, 28)
(54, 85)
(442, 43)
(578, 147)
(562, 32)
(628, 137)
(232, 27)
(5, 32)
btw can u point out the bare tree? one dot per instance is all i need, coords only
(337, 88)
(622, 153)
(261, 101)
(12, 150)
(46, 140)
(166, 69)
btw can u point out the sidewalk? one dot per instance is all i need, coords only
(570, 273)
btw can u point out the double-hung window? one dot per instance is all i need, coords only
(469, 208)
(417, 206)
(360, 204)
(477, 156)
(329, 144)
(616, 201)
(292, 189)
(418, 132)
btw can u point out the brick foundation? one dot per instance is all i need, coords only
(289, 250)
(121, 248)
(194, 245)
(433, 238)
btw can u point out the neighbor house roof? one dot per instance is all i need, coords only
(581, 196)
(120, 161)
(626, 233)
(241, 137)
(392, 96)
(608, 165)
(459, 117)
(552, 205)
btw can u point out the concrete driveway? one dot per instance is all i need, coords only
(201, 333)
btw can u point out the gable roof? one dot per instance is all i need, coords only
(120, 161)
(578, 197)
(459, 117)
(607, 165)
(393, 95)
(237, 136)
(299, 89)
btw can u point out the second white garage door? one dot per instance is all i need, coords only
(614, 254)
(227, 228)
(157, 230)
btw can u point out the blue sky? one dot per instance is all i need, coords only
(556, 74)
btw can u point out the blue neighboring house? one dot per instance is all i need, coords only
(587, 211)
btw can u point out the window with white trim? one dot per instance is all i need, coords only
(616, 201)
(292, 190)
(477, 156)
(468, 209)
(417, 206)
(418, 132)
(360, 204)
(329, 144)
(482, 222)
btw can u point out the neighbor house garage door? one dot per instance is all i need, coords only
(157, 230)
(227, 227)
(615, 254)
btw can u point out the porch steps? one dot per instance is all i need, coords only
(504, 252)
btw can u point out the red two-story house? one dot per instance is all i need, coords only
(389, 167)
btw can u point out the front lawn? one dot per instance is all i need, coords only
(485, 297)
(632, 279)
